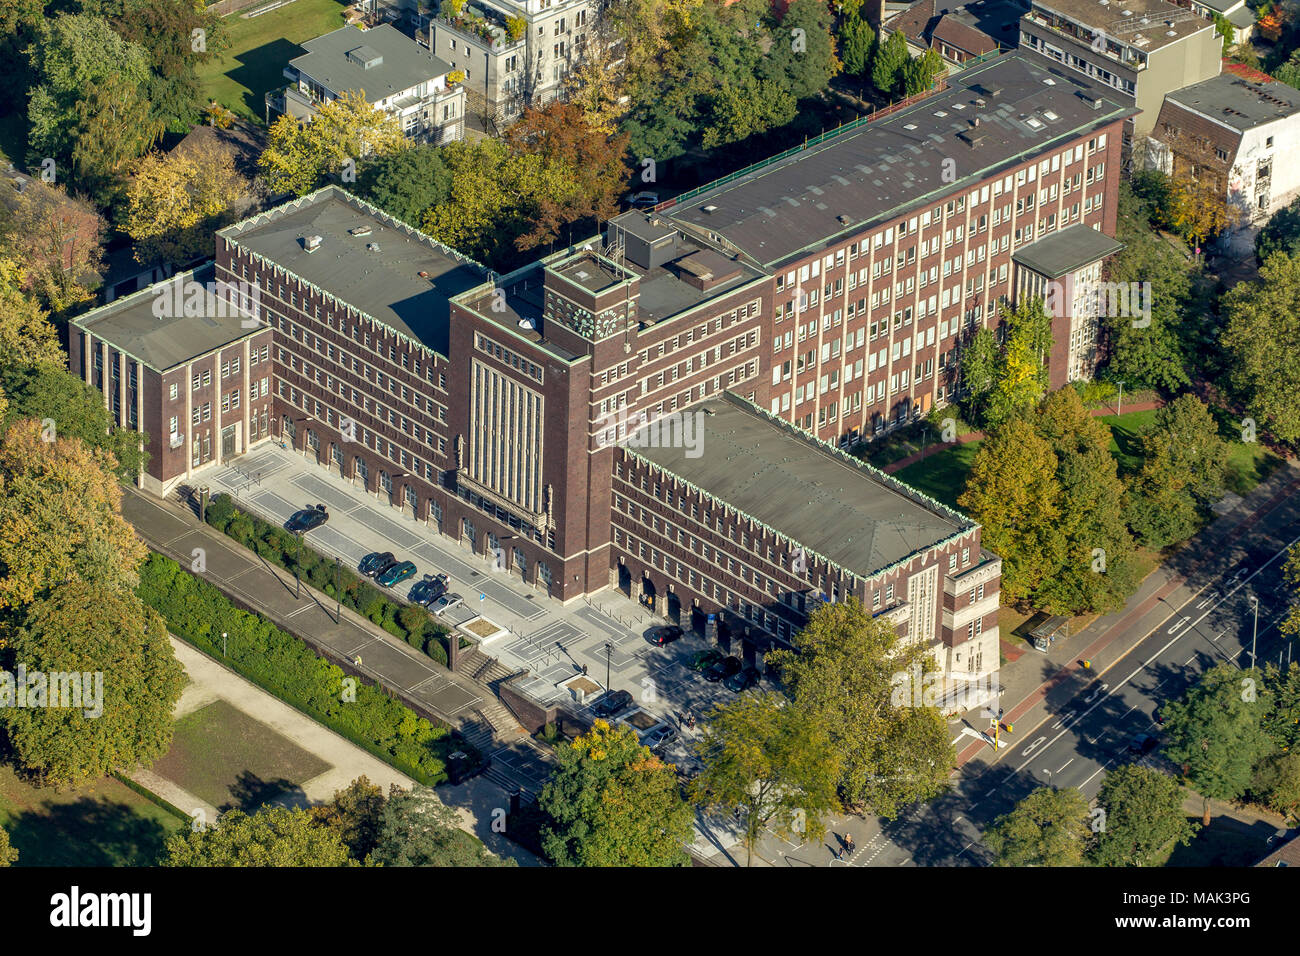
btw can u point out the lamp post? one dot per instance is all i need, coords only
(297, 565)
(1120, 408)
(609, 649)
(1254, 600)
(224, 652)
(338, 598)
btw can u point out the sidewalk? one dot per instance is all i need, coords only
(1032, 676)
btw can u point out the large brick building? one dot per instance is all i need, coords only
(658, 408)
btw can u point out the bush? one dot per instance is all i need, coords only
(219, 511)
(197, 612)
(241, 528)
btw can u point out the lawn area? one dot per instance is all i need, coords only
(1124, 437)
(230, 760)
(103, 824)
(260, 49)
(942, 475)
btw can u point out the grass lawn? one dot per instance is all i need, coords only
(1248, 465)
(1124, 437)
(103, 824)
(260, 49)
(227, 758)
(942, 475)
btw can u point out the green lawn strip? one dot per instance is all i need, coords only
(260, 48)
(1125, 438)
(104, 823)
(283, 665)
(942, 474)
(233, 761)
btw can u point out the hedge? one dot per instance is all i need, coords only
(280, 663)
(406, 622)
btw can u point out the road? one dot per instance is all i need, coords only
(1084, 725)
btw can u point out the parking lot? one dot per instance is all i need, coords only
(606, 633)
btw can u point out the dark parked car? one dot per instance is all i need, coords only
(306, 519)
(703, 660)
(743, 679)
(612, 703)
(723, 669)
(1143, 744)
(429, 590)
(395, 574)
(664, 635)
(376, 562)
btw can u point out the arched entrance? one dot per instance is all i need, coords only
(520, 562)
(674, 608)
(647, 596)
(361, 472)
(469, 533)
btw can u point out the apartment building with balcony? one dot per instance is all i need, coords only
(506, 73)
(392, 71)
(185, 363)
(1235, 131)
(1142, 49)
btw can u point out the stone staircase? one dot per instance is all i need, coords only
(476, 665)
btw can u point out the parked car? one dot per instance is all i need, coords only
(430, 589)
(743, 679)
(661, 636)
(612, 703)
(642, 200)
(660, 737)
(376, 562)
(1143, 744)
(445, 603)
(306, 519)
(703, 660)
(396, 574)
(723, 669)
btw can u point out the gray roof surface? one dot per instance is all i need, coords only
(1241, 19)
(860, 519)
(405, 62)
(1238, 102)
(386, 283)
(131, 325)
(883, 169)
(1127, 21)
(1067, 251)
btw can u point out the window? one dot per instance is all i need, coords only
(171, 393)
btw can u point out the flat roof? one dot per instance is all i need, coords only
(901, 161)
(1237, 102)
(377, 272)
(169, 323)
(842, 509)
(1066, 251)
(337, 61)
(1142, 24)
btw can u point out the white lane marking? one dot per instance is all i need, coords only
(1189, 660)
(1035, 744)
(1177, 625)
(1066, 764)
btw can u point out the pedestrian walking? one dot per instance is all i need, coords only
(849, 844)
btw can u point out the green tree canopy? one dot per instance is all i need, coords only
(356, 814)
(1144, 820)
(406, 184)
(611, 802)
(273, 836)
(845, 670)
(1047, 828)
(420, 830)
(1263, 324)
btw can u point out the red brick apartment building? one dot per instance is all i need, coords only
(658, 409)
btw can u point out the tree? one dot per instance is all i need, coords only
(1008, 379)
(919, 73)
(89, 108)
(1215, 730)
(420, 830)
(123, 721)
(887, 65)
(177, 200)
(754, 106)
(598, 83)
(980, 367)
(356, 815)
(1201, 208)
(26, 336)
(60, 518)
(299, 156)
(1184, 465)
(844, 670)
(611, 802)
(406, 184)
(71, 409)
(273, 836)
(1263, 321)
(7, 853)
(1047, 828)
(772, 763)
(857, 42)
(1282, 722)
(1277, 781)
(1014, 494)
(1282, 231)
(57, 238)
(1144, 820)
(803, 51)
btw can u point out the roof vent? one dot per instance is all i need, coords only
(359, 231)
(710, 208)
(843, 219)
(311, 243)
(372, 247)
(979, 101)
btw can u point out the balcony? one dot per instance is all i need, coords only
(485, 26)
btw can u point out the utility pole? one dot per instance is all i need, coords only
(1254, 633)
(1120, 410)
(297, 565)
(224, 651)
(609, 649)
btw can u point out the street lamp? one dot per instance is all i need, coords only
(338, 598)
(609, 649)
(1120, 408)
(297, 564)
(224, 652)
(1255, 632)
